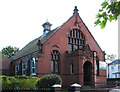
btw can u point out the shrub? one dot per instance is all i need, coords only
(48, 80)
(25, 82)
(7, 82)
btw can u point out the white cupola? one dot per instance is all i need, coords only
(46, 27)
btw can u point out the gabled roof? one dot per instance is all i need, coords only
(92, 35)
(32, 46)
(115, 62)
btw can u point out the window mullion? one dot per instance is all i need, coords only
(76, 40)
(54, 61)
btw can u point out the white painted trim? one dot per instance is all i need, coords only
(33, 74)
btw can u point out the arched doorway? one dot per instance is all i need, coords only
(87, 69)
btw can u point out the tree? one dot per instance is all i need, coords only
(110, 11)
(111, 57)
(9, 51)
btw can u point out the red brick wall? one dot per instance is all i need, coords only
(6, 66)
(59, 41)
(60, 38)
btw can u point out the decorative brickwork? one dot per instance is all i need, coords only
(79, 54)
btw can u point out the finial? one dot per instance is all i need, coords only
(46, 20)
(75, 7)
(75, 10)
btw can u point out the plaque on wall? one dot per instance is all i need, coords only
(102, 65)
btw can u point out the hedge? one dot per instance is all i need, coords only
(25, 82)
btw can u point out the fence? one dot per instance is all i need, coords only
(74, 88)
(61, 90)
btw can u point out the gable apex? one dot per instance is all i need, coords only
(75, 21)
(91, 35)
(80, 23)
(75, 10)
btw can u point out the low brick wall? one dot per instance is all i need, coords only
(66, 90)
(94, 90)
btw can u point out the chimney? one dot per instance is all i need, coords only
(46, 27)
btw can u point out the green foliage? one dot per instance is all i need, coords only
(25, 82)
(48, 80)
(28, 82)
(9, 51)
(7, 82)
(110, 11)
(111, 57)
(0, 54)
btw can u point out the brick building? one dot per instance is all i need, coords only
(5, 66)
(69, 51)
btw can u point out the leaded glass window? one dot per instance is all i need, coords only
(76, 40)
(55, 56)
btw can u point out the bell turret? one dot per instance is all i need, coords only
(47, 27)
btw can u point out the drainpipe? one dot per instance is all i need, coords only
(94, 67)
(108, 71)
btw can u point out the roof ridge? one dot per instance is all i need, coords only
(29, 43)
(31, 47)
(117, 61)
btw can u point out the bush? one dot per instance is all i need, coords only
(7, 82)
(25, 82)
(48, 80)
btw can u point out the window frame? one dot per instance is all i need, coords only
(118, 75)
(118, 66)
(112, 67)
(33, 64)
(16, 69)
(76, 39)
(55, 61)
(23, 68)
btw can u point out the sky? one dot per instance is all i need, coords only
(21, 21)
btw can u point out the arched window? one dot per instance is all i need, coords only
(97, 66)
(76, 40)
(55, 57)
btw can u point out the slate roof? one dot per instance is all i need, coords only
(32, 46)
(115, 62)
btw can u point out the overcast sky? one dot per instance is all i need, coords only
(21, 21)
